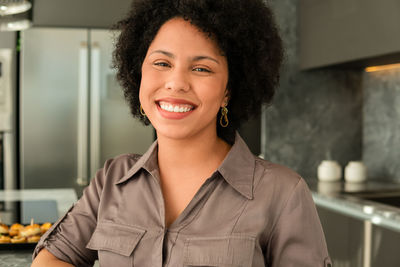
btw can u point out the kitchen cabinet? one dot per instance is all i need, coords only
(344, 237)
(347, 242)
(351, 32)
(78, 13)
(385, 247)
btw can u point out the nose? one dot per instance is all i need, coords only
(177, 81)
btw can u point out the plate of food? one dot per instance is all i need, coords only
(18, 236)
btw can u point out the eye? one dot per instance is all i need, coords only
(161, 64)
(199, 69)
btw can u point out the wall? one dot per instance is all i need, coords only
(381, 123)
(316, 115)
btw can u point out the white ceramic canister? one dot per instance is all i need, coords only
(329, 171)
(355, 172)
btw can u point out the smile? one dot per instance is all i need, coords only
(176, 108)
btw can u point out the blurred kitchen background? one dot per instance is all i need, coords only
(328, 106)
(62, 113)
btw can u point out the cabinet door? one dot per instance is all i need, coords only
(358, 32)
(116, 131)
(385, 247)
(78, 13)
(50, 76)
(344, 237)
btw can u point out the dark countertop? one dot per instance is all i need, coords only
(15, 258)
(18, 258)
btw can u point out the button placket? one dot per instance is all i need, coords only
(188, 215)
(171, 240)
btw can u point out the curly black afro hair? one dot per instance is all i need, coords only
(245, 31)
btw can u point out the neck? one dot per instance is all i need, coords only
(191, 157)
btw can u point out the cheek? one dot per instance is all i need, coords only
(144, 94)
(141, 95)
(146, 84)
(142, 90)
(217, 92)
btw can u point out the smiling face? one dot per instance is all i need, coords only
(184, 79)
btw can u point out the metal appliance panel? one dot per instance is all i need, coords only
(73, 115)
(7, 118)
(6, 58)
(50, 78)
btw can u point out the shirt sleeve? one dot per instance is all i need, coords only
(297, 238)
(68, 237)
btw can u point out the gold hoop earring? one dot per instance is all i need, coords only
(224, 116)
(142, 111)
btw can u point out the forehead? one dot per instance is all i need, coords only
(183, 36)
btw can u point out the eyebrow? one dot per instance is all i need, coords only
(168, 54)
(196, 58)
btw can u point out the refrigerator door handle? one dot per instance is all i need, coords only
(95, 98)
(83, 117)
(7, 119)
(9, 160)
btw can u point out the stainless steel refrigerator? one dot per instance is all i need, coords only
(7, 119)
(72, 113)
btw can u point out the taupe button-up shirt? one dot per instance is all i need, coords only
(249, 213)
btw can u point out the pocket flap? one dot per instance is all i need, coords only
(220, 251)
(117, 238)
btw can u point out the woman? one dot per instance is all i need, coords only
(195, 69)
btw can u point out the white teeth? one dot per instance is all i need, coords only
(175, 108)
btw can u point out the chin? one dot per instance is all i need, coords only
(181, 130)
(174, 132)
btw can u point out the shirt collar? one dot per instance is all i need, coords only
(147, 161)
(237, 168)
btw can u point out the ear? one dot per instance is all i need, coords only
(225, 100)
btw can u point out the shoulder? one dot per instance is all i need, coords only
(279, 188)
(276, 183)
(275, 174)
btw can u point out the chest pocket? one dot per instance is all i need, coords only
(115, 243)
(225, 251)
